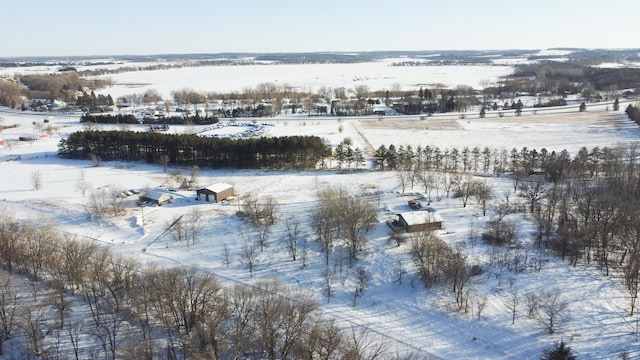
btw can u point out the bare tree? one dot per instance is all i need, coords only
(262, 234)
(116, 202)
(74, 332)
(97, 203)
(482, 193)
(428, 254)
(178, 229)
(226, 253)
(38, 241)
(32, 321)
(361, 282)
(249, 256)
(256, 209)
(242, 308)
(270, 209)
(512, 300)
(533, 191)
(193, 226)
(8, 308)
(95, 159)
(532, 302)
(36, 180)
(282, 315)
(328, 276)
(346, 214)
(326, 226)
(459, 273)
(304, 245)
(291, 240)
(143, 315)
(362, 343)
(404, 174)
(82, 186)
(10, 229)
(480, 304)
(551, 312)
(428, 181)
(465, 189)
(448, 182)
(58, 301)
(194, 171)
(164, 161)
(324, 341)
(77, 257)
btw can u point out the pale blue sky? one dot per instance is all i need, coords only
(139, 27)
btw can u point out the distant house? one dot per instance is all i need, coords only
(156, 197)
(216, 192)
(32, 137)
(415, 221)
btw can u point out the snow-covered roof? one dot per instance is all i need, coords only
(218, 187)
(157, 195)
(420, 217)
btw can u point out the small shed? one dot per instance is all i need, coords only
(415, 221)
(156, 197)
(217, 192)
(32, 137)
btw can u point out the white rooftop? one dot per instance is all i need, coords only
(420, 217)
(218, 187)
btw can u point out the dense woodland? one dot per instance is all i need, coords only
(135, 313)
(289, 152)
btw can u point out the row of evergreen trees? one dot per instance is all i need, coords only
(633, 112)
(288, 152)
(130, 119)
(586, 163)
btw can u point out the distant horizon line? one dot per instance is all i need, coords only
(341, 52)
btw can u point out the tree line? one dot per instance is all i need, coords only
(486, 160)
(633, 112)
(131, 119)
(287, 152)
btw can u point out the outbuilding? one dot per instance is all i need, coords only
(216, 192)
(32, 137)
(416, 221)
(156, 197)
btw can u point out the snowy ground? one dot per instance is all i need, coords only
(407, 315)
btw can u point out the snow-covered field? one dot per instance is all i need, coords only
(409, 316)
(378, 75)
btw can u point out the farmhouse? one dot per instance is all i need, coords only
(218, 192)
(156, 197)
(415, 221)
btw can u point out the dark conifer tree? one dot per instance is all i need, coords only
(558, 352)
